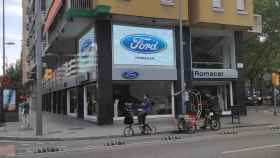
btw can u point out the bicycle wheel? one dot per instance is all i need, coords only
(181, 126)
(147, 129)
(128, 131)
(154, 129)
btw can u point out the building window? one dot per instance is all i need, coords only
(211, 52)
(130, 94)
(240, 5)
(73, 100)
(91, 100)
(217, 4)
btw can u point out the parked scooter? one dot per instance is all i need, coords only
(212, 119)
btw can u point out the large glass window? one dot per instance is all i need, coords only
(73, 100)
(91, 100)
(240, 4)
(222, 92)
(131, 94)
(217, 3)
(211, 52)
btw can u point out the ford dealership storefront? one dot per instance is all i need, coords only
(122, 62)
(143, 63)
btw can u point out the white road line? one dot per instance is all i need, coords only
(251, 149)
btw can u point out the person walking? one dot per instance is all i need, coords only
(25, 113)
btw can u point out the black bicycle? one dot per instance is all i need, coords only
(145, 129)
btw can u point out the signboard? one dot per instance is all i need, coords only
(9, 100)
(215, 74)
(87, 52)
(143, 46)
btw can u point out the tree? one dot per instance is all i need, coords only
(263, 50)
(13, 72)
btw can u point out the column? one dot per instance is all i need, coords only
(240, 83)
(105, 108)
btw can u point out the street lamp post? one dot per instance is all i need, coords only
(182, 70)
(39, 50)
(3, 45)
(3, 10)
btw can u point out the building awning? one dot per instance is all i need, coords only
(56, 5)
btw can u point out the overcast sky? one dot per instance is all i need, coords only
(13, 13)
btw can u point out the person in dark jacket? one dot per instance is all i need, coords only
(145, 109)
(212, 103)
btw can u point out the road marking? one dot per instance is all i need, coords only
(251, 149)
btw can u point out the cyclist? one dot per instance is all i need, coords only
(144, 110)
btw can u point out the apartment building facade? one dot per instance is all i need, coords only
(103, 55)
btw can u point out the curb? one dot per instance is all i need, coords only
(110, 136)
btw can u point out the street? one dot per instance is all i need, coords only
(248, 143)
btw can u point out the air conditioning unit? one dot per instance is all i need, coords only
(257, 28)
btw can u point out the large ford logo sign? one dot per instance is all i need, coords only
(130, 74)
(143, 44)
(86, 45)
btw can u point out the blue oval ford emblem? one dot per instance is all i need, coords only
(130, 75)
(86, 45)
(143, 44)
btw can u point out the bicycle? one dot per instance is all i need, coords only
(145, 129)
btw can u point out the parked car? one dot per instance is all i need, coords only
(255, 99)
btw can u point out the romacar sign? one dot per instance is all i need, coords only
(215, 74)
(208, 74)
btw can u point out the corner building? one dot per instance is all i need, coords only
(101, 55)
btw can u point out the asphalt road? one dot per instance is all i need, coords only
(263, 143)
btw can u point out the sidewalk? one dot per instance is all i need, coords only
(65, 128)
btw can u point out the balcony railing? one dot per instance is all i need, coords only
(257, 28)
(79, 4)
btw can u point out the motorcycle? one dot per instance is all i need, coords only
(213, 121)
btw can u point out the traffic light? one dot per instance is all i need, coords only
(275, 79)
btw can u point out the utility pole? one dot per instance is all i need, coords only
(274, 101)
(4, 64)
(39, 50)
(4, 39)
(182, 70)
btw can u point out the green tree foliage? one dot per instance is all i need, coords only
(14, 72)
(263, 50)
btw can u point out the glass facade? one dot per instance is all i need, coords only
(221, 91)
(131, 94)
(73, 102)
(211, 52)
(91, 100)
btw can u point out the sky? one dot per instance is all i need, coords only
(13, 14)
